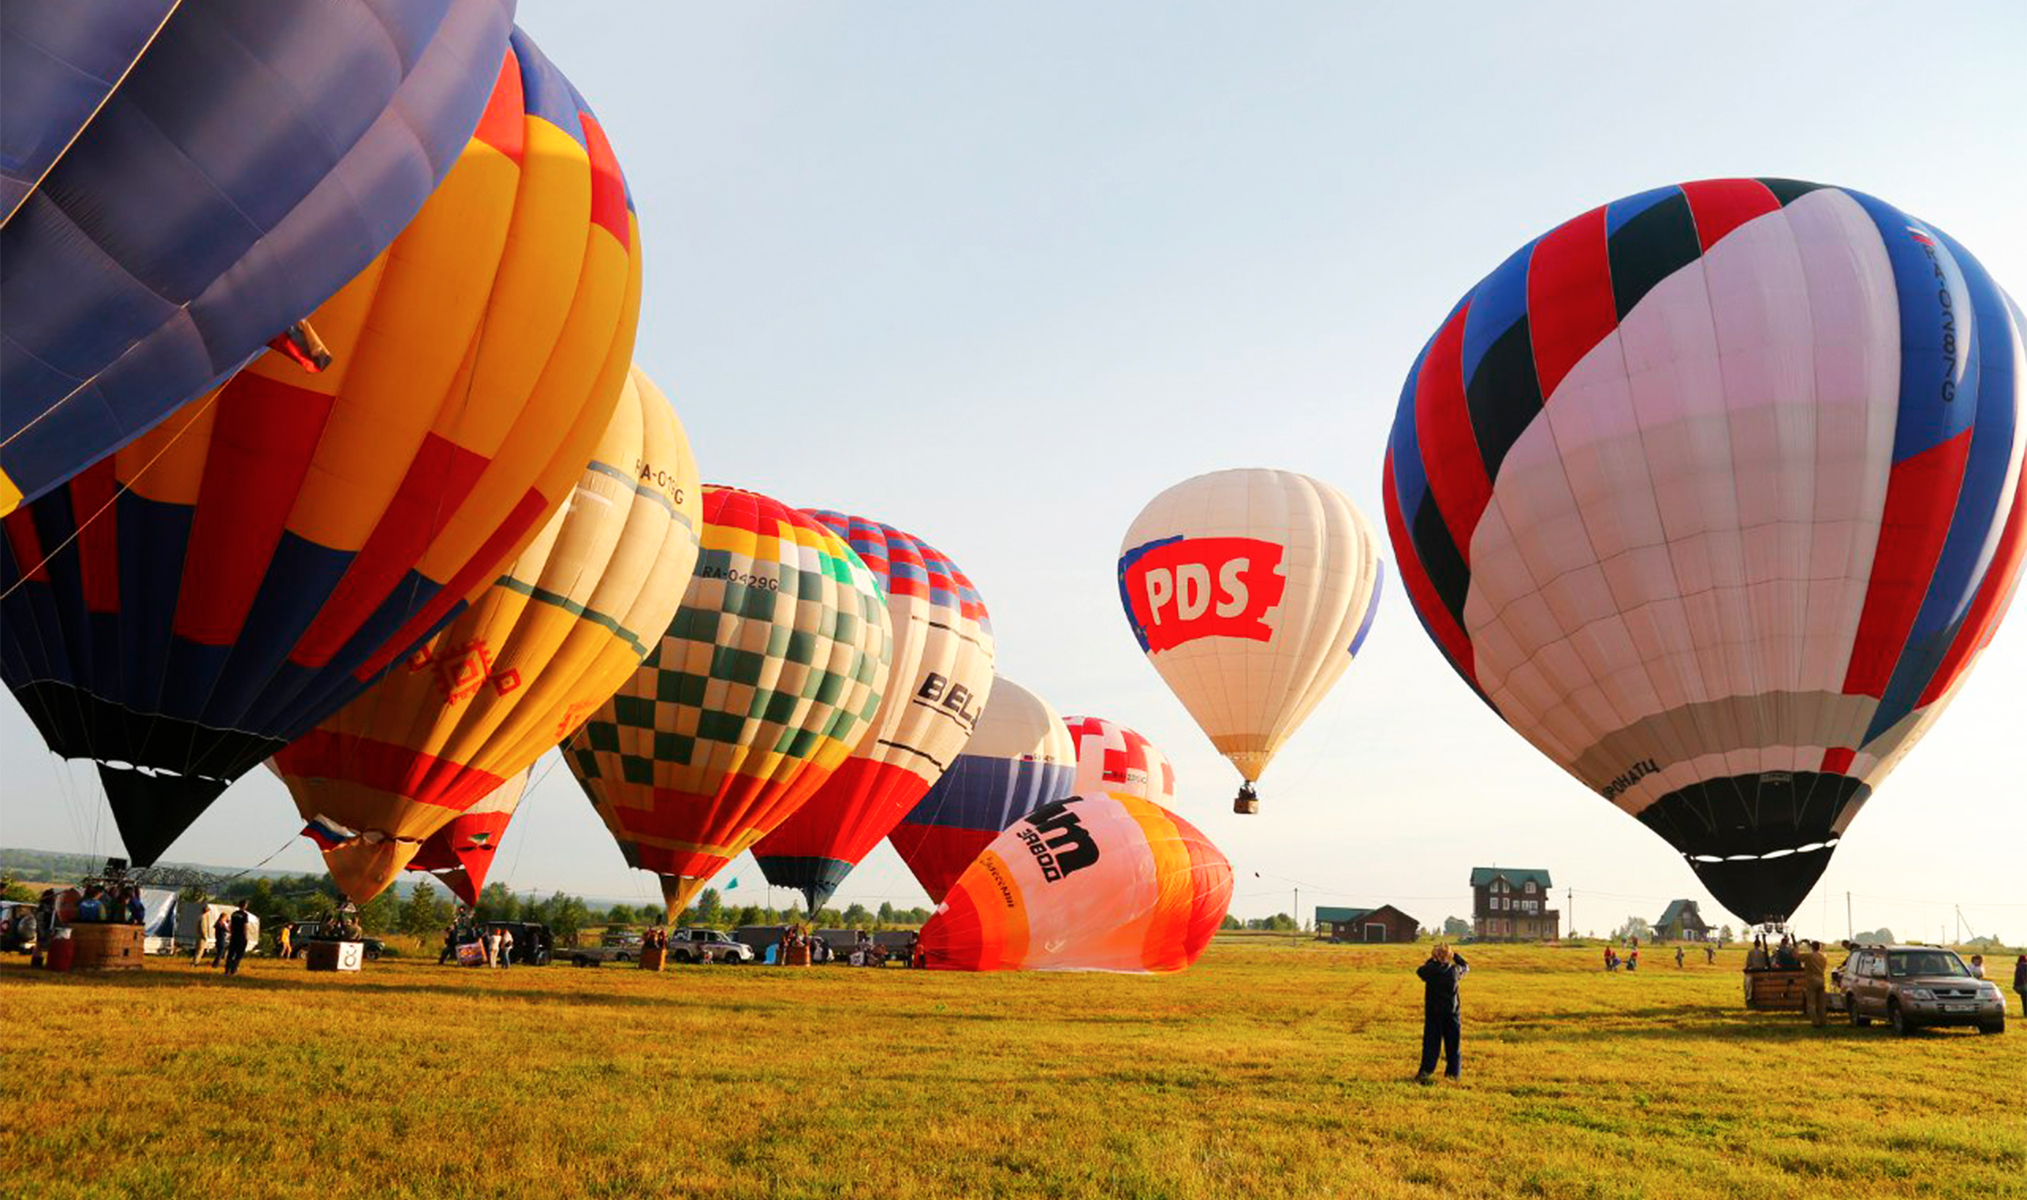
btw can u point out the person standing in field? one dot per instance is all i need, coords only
(1442, 1012)
(2019, 981)
(1678, 958)
(235, 938)
(282, 937)
(492, 947)
(506, 949)
(1814, 1000)
(220, 931)
(1709, 953)
(449, 945)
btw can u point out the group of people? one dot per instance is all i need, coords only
(226, 938)
(795, 940)
(1630, 960)
(1784, 955)
(495, 942)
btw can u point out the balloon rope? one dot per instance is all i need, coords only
(124, 488)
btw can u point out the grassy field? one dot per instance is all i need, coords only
(1271, 1069)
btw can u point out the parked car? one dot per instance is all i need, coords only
(707, 945)
(534, 945)
(327, 931)
(1914, 986)
(17, 926)
(617, 945)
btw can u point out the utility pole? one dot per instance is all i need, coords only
(1569, 902)
(1297, 914)
(1850, 930)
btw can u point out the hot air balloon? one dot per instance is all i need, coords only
(556, 634)
(1019, 758)
(1113, 758)
(180, 183)
(181, 610)
(1105, 882)
(1712, 493)
(461, 853)
(770, 673)
(1250, 591)
(939, 683)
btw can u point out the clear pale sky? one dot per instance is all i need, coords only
(998, 274)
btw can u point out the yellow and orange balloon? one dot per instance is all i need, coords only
(560, 630)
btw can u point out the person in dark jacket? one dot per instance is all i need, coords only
(1442, 1012)
(235, 945)
(2019, 981)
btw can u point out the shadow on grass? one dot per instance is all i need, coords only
(1680, 1021)
(535, 992)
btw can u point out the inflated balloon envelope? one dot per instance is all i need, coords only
(181, 609)
(180, 183)
(1105, 882)
(1250, 591)
(770, 673)
(1112, 758)
(1713, 494)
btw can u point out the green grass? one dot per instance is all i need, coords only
(1269, 1070)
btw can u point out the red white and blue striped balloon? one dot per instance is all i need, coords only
(1713, 494)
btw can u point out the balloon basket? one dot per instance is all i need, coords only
(335, 956)
(105, 947)
(652, 958)
(1247, 802)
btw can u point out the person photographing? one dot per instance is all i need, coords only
(1442, 1012)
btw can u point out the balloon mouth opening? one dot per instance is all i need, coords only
(1785, 852)
(154, 772)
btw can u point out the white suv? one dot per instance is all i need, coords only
(707, 945)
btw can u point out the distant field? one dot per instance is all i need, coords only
(1269, 1070)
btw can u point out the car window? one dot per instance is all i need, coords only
(1907, 963)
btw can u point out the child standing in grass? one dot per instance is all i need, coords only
(1442, 1012)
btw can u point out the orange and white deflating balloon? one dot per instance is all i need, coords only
(1250, 591)
(1105, 882)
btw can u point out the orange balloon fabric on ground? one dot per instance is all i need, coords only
(1107, 882)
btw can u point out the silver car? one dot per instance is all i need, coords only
(1914, 986)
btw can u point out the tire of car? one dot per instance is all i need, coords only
(1851, 1010)
(581, 960)
(622, 956)
(372, 955)
(1898, 1019)
(1998, 1026)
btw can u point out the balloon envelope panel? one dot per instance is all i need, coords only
(1019, 758)
(1713, 494)
(1250, 591)
(1088, 883)
(183, 182)
(941, 679)
(279, 544)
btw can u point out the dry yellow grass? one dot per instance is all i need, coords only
(1269, 1070)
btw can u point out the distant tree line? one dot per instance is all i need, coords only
(1278, 923)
